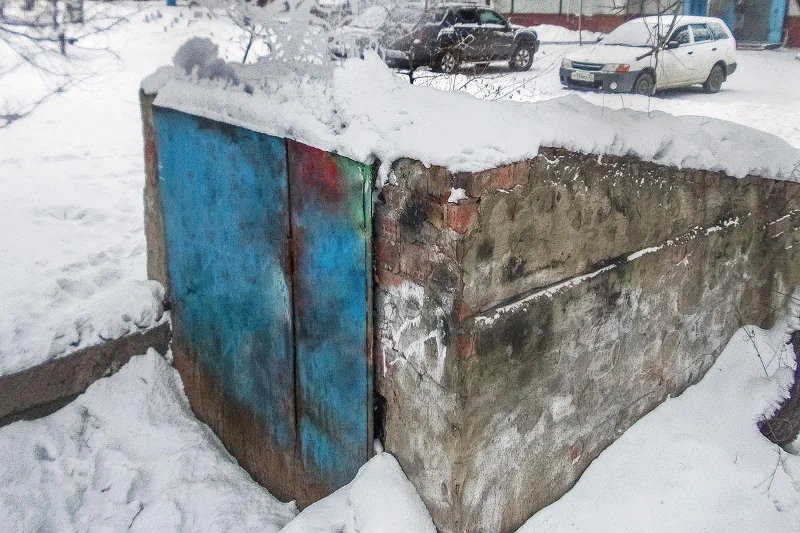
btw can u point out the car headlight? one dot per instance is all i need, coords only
(566, 63)
(616, 67)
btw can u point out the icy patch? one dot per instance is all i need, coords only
(128, 456)
(379, 500)
(366, 112)
(698, 462)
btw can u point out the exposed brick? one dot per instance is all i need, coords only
(506, 177)
(460, 217)
(387, 255)
(387, 278)
(436, 214)
(463, 310)
(465, 346)
(389, 229)
(440, 180)
(415, 261)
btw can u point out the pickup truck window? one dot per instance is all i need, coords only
(467, 16)
(490, 17)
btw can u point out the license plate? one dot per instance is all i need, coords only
(582, 76)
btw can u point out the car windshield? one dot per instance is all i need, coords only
(633, 33)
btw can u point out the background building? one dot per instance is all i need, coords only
(752, 21)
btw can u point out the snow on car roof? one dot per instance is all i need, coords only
(365, 111)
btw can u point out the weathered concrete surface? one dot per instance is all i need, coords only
(523, 330)
(61, 379)
(153, 216)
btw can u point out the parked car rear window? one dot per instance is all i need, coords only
(718, 31)
(701, 33)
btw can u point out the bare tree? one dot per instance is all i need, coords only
(55, 39)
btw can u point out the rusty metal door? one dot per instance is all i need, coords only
(268, 258)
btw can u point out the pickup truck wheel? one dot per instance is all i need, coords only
(522, 58)
(645, 84)
(448, 62)
(714, 82)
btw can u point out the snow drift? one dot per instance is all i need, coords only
(698, 462)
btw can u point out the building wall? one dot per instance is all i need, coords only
(520, 332)
(605, 15)
(793, 24)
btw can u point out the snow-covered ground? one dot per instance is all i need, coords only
(71, 179)
(129, 456)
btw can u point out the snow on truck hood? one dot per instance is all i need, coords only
(363, 110)
(600, 53)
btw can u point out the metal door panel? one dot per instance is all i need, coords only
(225, 204)
(331, 237)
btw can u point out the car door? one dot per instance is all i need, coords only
(706, 52)
(726, 46)
(676, 64)
(497, 32)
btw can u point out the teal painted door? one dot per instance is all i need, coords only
(268, 259)
(331, 237)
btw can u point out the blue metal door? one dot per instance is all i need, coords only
(331, 200)
(268, 258)
(777, 16)
(696, 7)
(224, 198)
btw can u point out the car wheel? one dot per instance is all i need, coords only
(645, 84)
(448, 62)
(714, 82)
(522, 58)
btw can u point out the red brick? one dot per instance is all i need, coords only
(389, 229)
(464, 310)
(460, 217)
(465, 346)
(415, 262)
(440, 180)
(387, 254)
(389, 279)
(506, 177)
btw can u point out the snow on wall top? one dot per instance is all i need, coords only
(366, 112)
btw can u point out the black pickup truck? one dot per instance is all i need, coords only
(446, 36)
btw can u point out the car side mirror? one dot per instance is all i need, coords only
(671, 45)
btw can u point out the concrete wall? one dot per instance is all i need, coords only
(521, 331)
